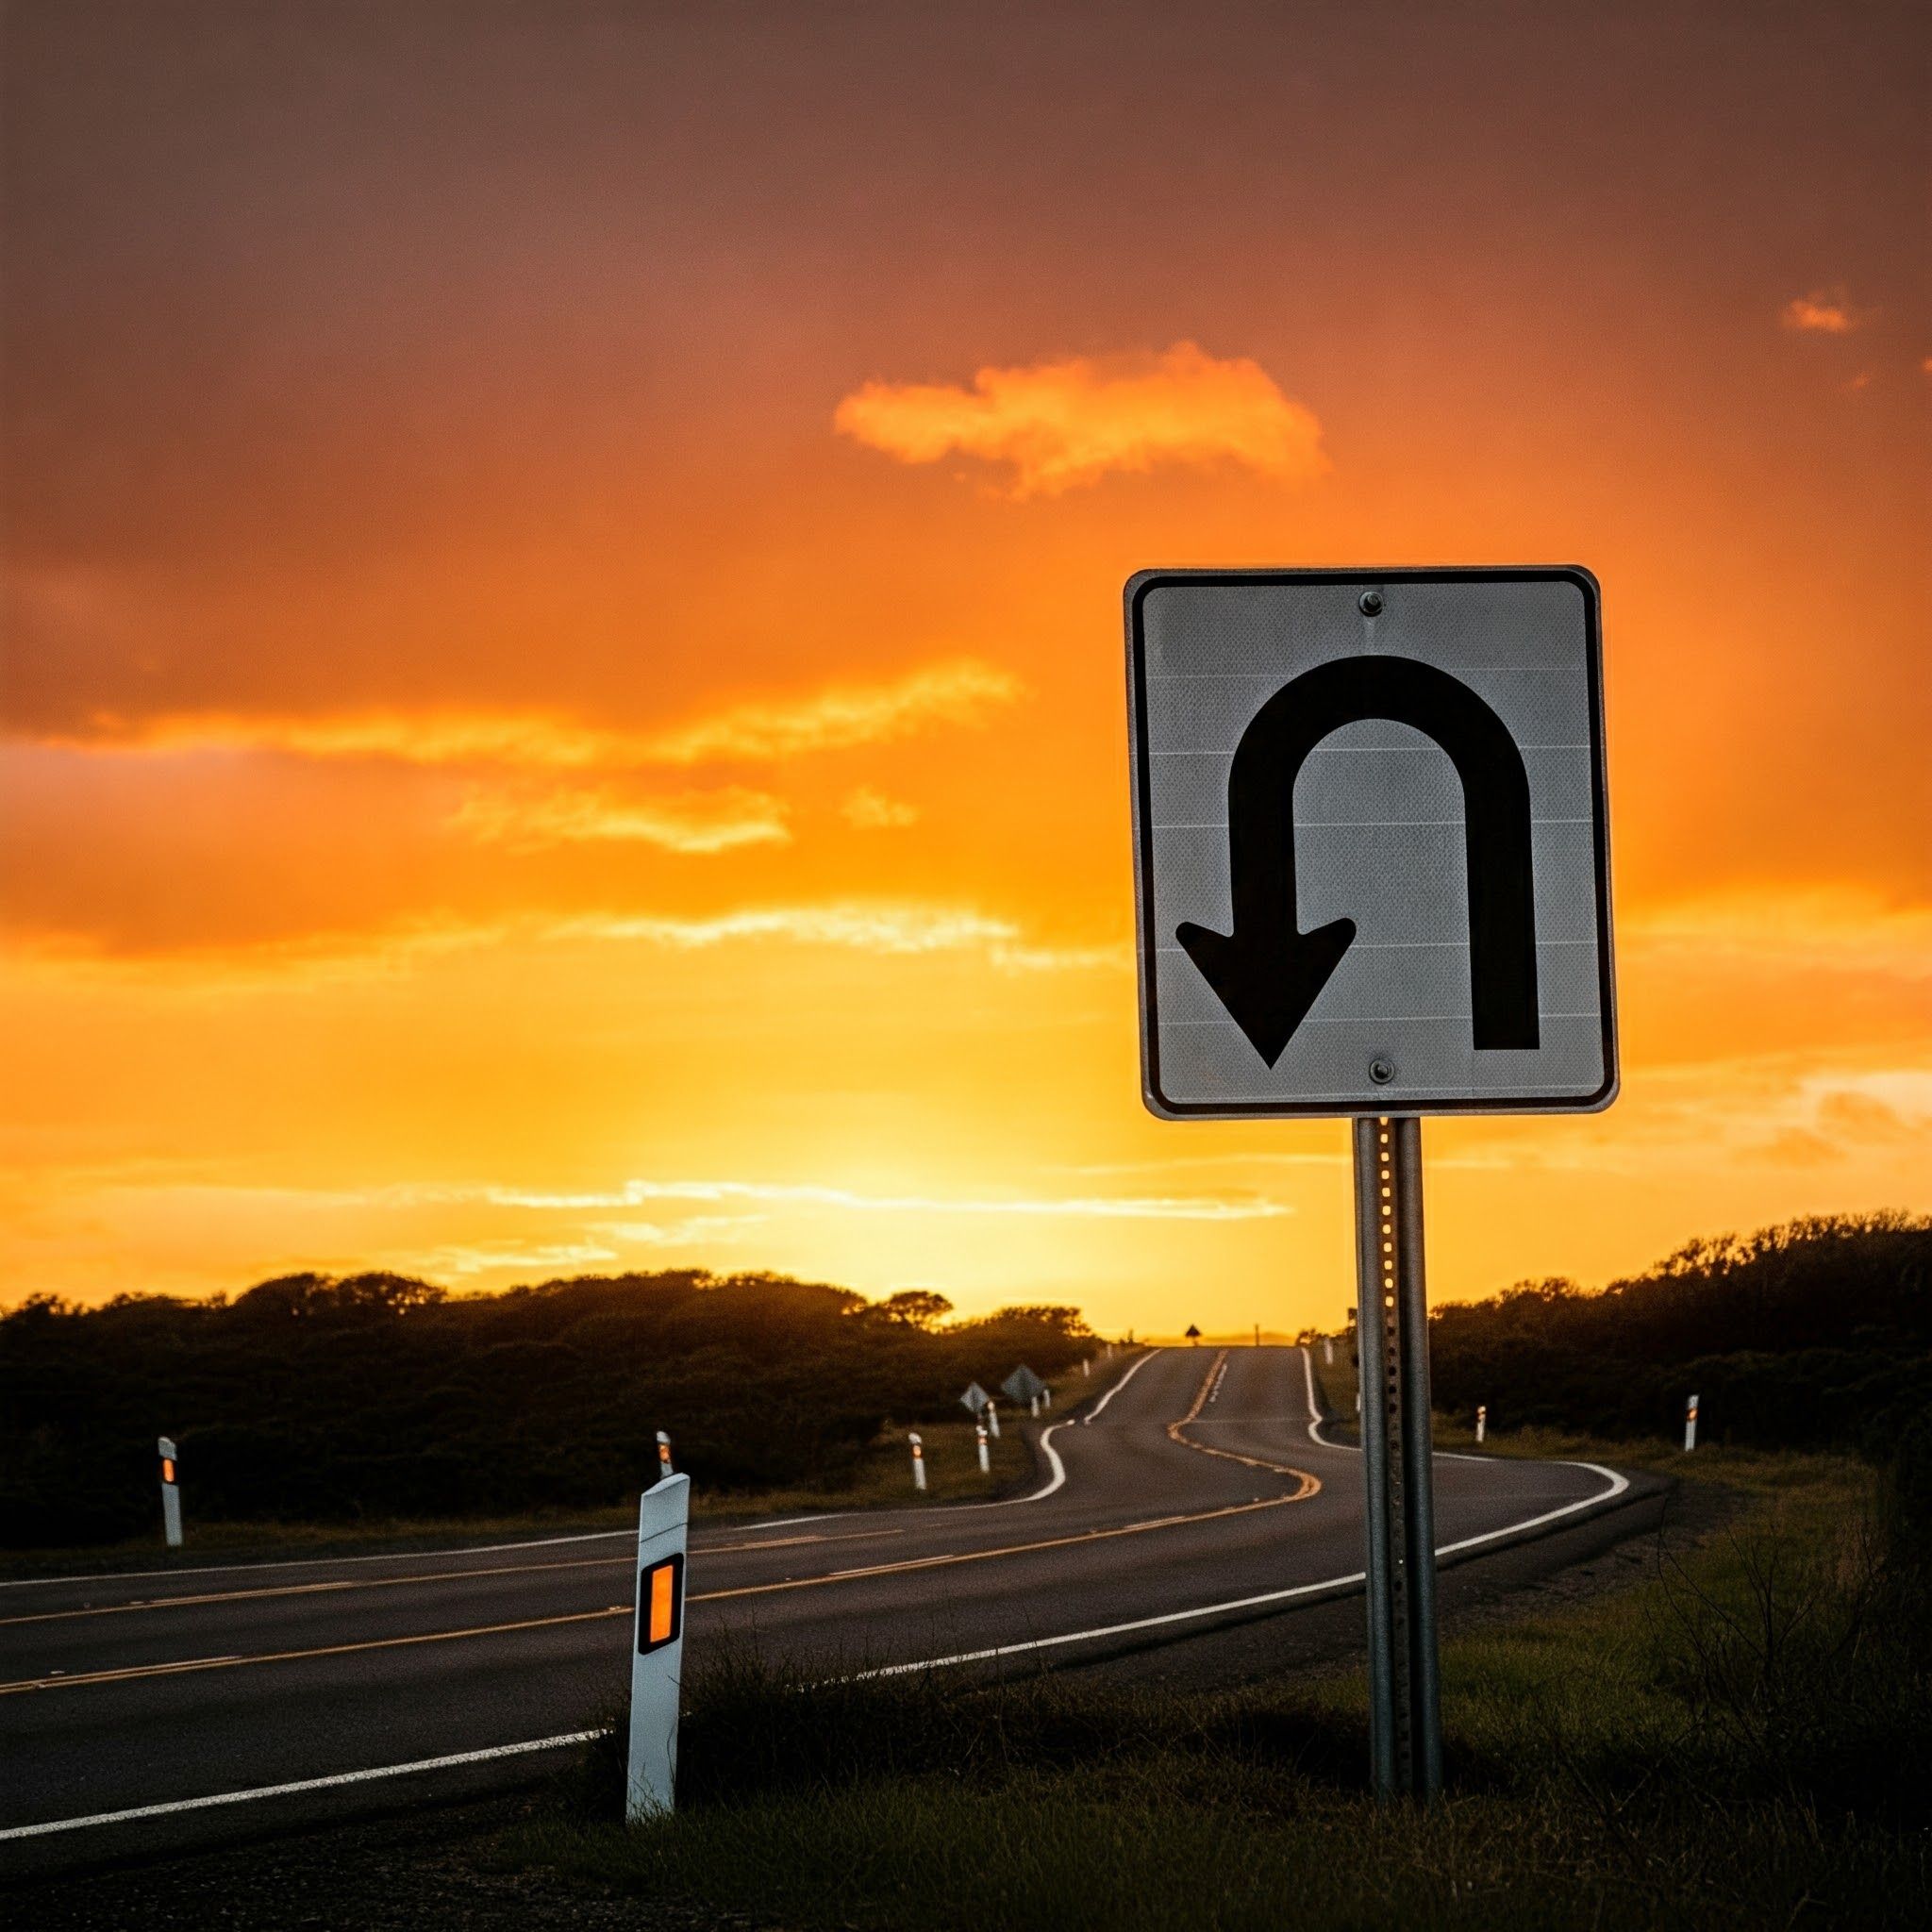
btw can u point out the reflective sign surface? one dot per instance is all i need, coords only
(1371, 847)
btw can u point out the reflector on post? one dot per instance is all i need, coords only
(657, 1654)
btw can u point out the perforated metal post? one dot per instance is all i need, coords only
(1392, 1336)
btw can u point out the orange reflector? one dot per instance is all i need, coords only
(660, 1604)
(167, 1469)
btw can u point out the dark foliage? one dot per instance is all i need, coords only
(313, 1398)
(1812, 1335)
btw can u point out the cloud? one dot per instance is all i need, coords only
(873, 811)
(835, 718)
(634, 1193)
(697, 822)
(867, 928)
(1058, 424)
(960, 692)
(1820, 312)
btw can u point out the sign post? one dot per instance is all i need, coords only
(171, 1494)
(657, 1664)
(1371, 879)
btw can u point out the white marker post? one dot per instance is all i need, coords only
(1691, 1424)
(1328, 1350)
(1033, 1407)
(992, 1418)
(664, 1468)
(657, 1663)
(1046, 1398)
(918, 1460)
(1482, 1420)
(984, 1460)
(171, 1494)
(1085, 1367)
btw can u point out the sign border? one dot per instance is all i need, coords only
(1138, 588)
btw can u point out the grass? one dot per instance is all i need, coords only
(882, 1480)
(1742, 1740)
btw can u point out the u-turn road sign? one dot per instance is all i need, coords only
(1372, 848)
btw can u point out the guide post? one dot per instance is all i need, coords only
(656, 1665)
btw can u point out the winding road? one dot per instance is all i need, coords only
(139, 1713)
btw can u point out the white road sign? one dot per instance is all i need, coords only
(1372, 853)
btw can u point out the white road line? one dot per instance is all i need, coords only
(308, 1783)
(1617, 1486)
(1093, 1413)
(107, 1576)
(1315, 1435)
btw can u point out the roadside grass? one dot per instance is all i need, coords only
(1742, 1740)
(882, 1480)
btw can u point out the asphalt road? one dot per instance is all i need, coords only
(1197, 1488)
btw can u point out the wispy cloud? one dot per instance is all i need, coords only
(635, 1193)
(697, 821)
(1824, 311)
(959, 692)
(1058, 425)
(873, 811)
(842, 715)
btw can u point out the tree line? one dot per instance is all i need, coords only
(321, 1398)
(1813, 1334)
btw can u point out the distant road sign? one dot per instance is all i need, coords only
(1022, 1385)
(975, 1398)
(1372, 859)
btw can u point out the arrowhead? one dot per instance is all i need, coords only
(1267, 982)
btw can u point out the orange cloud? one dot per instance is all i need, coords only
(872, 812)
(697, 822)
(1058, 425)
(835, 718)
(1819, 313)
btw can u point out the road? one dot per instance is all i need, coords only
(1197, 1487)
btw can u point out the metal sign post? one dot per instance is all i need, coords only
(1372, 879)
(1405, 1708)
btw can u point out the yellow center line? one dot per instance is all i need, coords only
(347, 1584)
(1310, 1485)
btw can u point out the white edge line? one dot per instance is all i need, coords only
(1134, 1369)
(1618, 1484)
(307, 1783)
(1057, 1481)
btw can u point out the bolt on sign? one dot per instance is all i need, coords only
(1372, 853)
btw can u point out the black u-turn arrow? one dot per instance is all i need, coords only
(1267, 973)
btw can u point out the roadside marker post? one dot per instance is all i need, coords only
(1482, 1421)
(1371, 880)
(1691, 1424)
(171, 1494)
(657, 1664)
(1085, 1367)
(664, 1468)
(1328, 1350)
(1046, 1398)
(918, 1461)
(985, 1459)
(993, 1418)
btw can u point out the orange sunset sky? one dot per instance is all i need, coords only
(563, 695)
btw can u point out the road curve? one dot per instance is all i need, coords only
(139, 1713)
